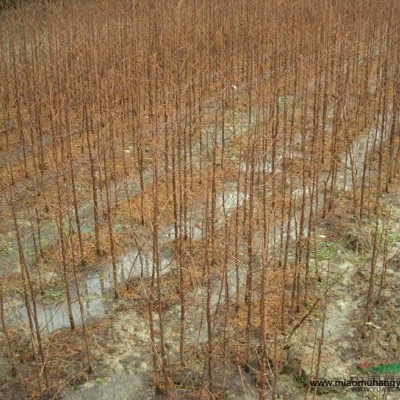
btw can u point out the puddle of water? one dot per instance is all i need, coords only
(53, 317)
(225, 203)
(193, 231)
(49, 231)
(359, 148)
(93, 291)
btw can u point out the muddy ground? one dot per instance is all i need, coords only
(122, 362)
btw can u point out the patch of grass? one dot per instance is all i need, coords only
(325, 251)
(6, 250)
(301, 377)
(228, 394)
(392, 239)
(53, 294)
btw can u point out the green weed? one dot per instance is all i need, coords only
(54, 294)
(325, 251)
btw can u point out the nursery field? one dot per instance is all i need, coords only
(199, 199)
